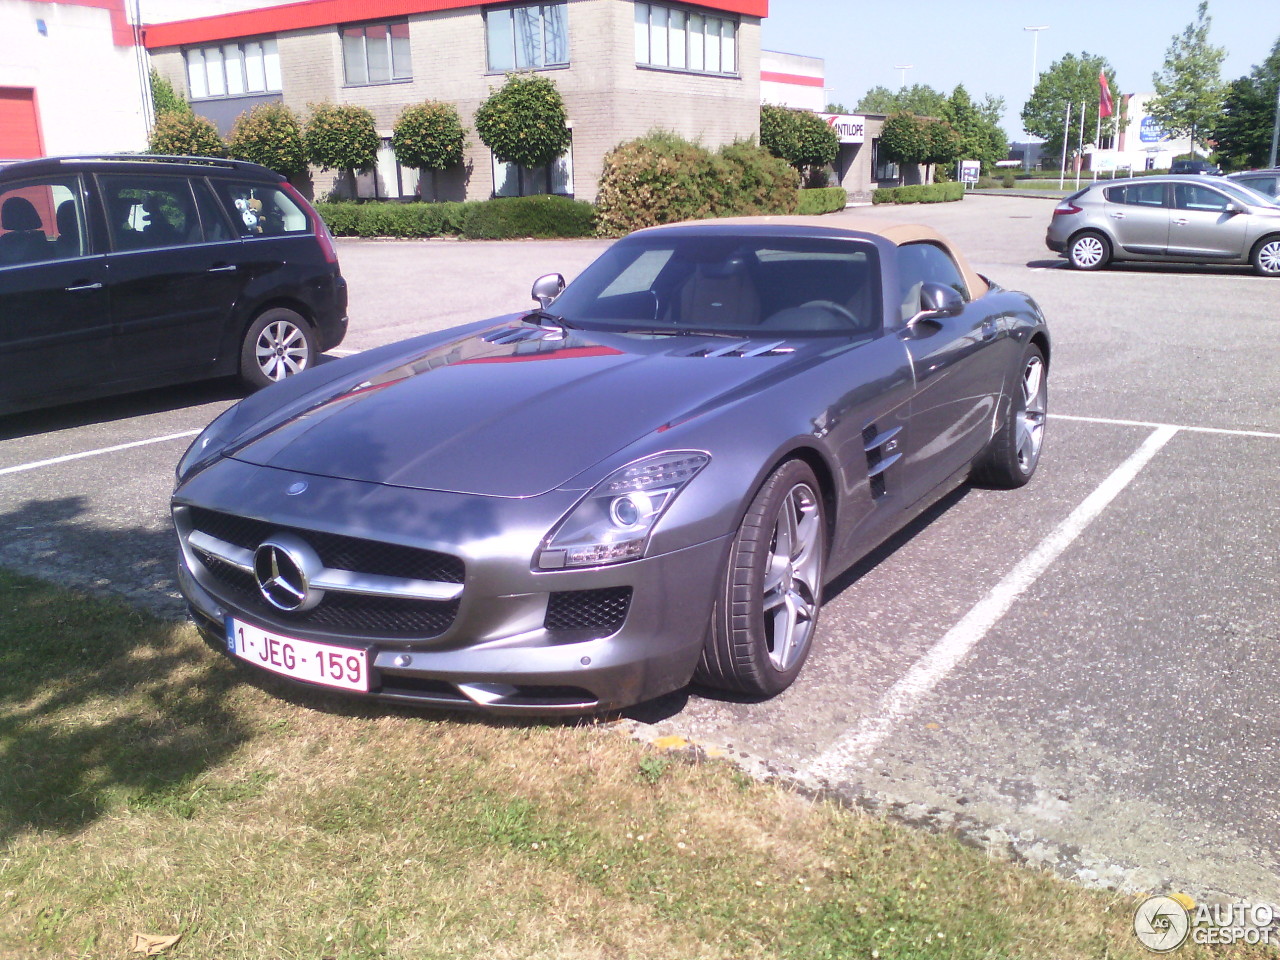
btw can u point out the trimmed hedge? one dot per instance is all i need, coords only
(822, 200)
(919, 193)
(500, 219)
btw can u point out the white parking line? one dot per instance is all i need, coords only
(905, 695)
(36, 464)
(343, 352)
(1175, 426)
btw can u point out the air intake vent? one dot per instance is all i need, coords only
(882, 452)
(745, 348)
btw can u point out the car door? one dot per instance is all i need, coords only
(1202, 227)
(1139, 216)
(172, 277)
(959, 364)
(55, 323)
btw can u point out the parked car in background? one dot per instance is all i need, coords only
(1266, 182)
(650, 478)
(124, 272)
(1181, 219)
(1199, 167)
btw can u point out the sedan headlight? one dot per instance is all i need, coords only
(613, 522)
(207, 446)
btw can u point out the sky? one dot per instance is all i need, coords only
(983, 45)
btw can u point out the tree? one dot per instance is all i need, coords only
(1244, 129)
(524, 121)
(1072, 80)
(429, 136)
(800, 137)
(920, 99)
(341, 137)
(836, 108)
(269, 134)
(179, 134)
(1189, 90)
(164, 98)
(903, 138)
(977, 128)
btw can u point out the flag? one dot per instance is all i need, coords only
(1104, 96)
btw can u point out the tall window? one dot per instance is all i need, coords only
(376, 53)
(233, 69)
(513, 180)
(521, 38)
(680, 39)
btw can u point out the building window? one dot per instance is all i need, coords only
(679, 39)
(513, 180)
(882, 169)
(521, 38)
(233, 69)
(376, 53)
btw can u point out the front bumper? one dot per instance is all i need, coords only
(504, 650)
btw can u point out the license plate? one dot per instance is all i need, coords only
(323, 663)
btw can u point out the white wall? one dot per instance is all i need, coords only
(89, 92)
(791, 94)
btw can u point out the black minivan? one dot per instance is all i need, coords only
(124, 272)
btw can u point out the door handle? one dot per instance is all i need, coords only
(1181, 221)
(224, 268)
(1117, 215)
(84, 286)
(989, 329)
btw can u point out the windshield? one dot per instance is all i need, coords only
(746, 286)
(1246, 194)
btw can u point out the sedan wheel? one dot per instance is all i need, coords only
(278, 344)
(762, 627)
(1266, 257)
(1011, 457)
(1089, 251)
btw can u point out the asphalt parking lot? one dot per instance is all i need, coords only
(1082, 672)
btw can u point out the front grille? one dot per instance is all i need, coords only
(366, 616)
(600, 611)
(335, 550)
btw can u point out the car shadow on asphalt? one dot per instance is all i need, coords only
(1138, 267)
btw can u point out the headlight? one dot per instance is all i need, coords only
(207, 446)
(613, 522)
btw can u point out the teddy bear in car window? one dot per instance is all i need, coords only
(250, 209)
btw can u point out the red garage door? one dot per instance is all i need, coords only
(19, 124)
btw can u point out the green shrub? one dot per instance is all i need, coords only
(822, 200)
(524, 121)
(164, 97)
(179, 134)
(919, 193)
(541, 216)
(1008, 181)
(662, 178)
(269, 134)
(429, 136)
(341, 137)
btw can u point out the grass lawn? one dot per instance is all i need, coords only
(149, 786)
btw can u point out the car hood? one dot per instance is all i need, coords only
(515, 410)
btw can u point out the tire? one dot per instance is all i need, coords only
(1089, 250)
(1011, 458)
(764, 619)
(1266, 257)
(278, 344)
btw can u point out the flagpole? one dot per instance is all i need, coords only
(1080, 146)
(1066, 132)
(1097, 145)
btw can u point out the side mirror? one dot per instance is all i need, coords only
(937, 300)
(1234, 206)
(547, 288)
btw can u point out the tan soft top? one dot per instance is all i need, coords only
(895, 233)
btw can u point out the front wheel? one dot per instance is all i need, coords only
(1089, 251)
(1014, 451)
(277, 345)
(1266, 257)
(764, 619)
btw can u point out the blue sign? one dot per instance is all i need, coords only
(1150, 131)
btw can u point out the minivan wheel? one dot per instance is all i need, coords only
(277, 345)
(1089, 251)
(1266, 257)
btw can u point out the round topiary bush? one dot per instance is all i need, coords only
(429, 136)
(524, 121)
(269, 134)
(341, 137)
(181, 134)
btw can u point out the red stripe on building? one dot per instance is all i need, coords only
(326, 13)
(121, 29)
(768, 76)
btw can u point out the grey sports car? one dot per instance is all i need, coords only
(646, 480)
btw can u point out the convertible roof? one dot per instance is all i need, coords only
(895, 233)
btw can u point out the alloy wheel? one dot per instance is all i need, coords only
(792, 572)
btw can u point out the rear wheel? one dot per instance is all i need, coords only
(1089, 251)
(277, 345)
(763, 623)
(1266, 257)
(1014, 451)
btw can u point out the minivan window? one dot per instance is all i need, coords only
(261, 210)
(144, 212)
(41, 220)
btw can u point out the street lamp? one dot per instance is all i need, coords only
(1035, 50)
(904, 67)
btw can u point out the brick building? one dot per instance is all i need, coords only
(623, 68)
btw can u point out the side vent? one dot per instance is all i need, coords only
(745, 348)
(518, 334)
(882, 452)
